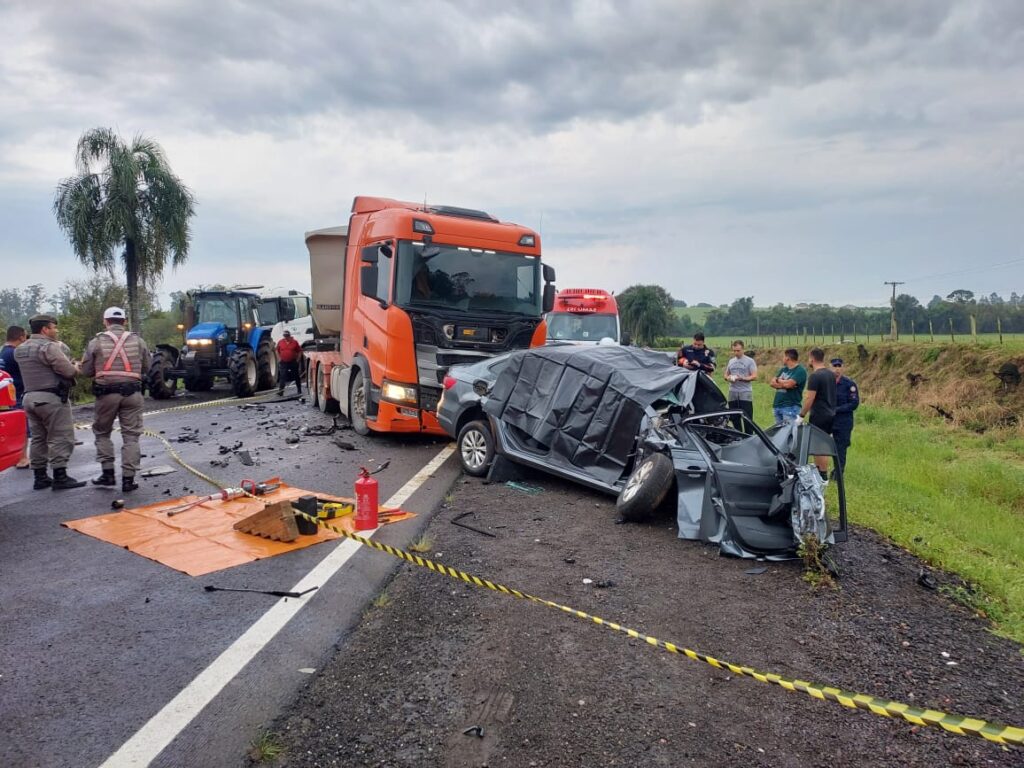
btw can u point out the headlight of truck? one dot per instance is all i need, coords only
(399, 393)
(199, 342)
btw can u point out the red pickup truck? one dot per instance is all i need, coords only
(12, 424)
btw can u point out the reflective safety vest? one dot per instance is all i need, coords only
(118, 356)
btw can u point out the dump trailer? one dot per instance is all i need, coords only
(407, 290)
(585, 316)
(228, 334)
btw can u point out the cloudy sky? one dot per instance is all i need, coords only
(792, 151)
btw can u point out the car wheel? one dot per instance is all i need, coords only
(476, 448)
(646, 488)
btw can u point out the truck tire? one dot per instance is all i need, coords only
(311, 384)
(325, 403)
(242, 372)
(159, 380)
(357, 403)
(646, 488)
(476, 448)
(266, 365)
(201, 383)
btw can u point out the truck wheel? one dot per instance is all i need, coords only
(202, 383)
(646, 488)
(476, 448)
(160, 380)
(266, 365)
(357, 403)
(312, 384)
(325, 403)
(242, 372)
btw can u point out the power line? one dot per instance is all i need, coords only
(893, 330)
(966, 271)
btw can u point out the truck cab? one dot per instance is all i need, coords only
(585, 316)
(423, 288)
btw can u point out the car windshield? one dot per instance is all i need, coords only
(568, 326)
(457, 277)
(217, 309)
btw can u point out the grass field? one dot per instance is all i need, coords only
(953, 498)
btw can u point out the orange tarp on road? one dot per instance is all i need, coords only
(201, 540)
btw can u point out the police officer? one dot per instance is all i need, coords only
(48, 374)
(847, 400)
(697, 356)
(116, 359)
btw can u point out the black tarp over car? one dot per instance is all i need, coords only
(582, 407)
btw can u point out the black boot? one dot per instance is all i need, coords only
(42, 480)
(62, 481)
(107, 478)
(128, 483)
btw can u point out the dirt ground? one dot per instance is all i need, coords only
(437, 657)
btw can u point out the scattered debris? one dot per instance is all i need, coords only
(588, 581)
(756, 571)
(915, 379)
(117, 504)
(291, 439)
(274, 592)
(344, 444)
(455, 521)
(605, 584)
(163, 469)
(220, 462)
(523, 487)
(246, 458)
(474, 730)
(927, 581)
(943, 412)
(1009, 376)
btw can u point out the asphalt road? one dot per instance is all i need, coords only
(95, 641)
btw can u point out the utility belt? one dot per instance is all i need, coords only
(62, 390)
(127, 389)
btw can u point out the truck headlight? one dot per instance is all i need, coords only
(399, 393)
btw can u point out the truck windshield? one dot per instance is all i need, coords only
(568, 326)
(217, 309)
(464, 278)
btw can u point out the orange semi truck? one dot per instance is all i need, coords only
(407, 290)
(585, 316)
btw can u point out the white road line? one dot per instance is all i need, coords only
(150, 740)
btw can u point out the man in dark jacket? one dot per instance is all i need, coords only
(847, 400)
(697, 356)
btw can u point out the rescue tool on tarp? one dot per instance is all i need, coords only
(274, 592)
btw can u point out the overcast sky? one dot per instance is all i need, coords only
(792, 151)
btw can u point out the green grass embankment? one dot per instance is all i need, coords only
(950, 491)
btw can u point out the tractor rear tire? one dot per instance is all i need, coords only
(357, 403)
(242, 372)
(266, 364)
(159, 381)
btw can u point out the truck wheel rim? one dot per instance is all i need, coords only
(359, 401)
(474, 449)
(636, 480)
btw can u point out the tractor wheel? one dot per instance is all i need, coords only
(201, 383)
(357, 403)
(266, 365)
(160, 382)
(325, 403)
(242, 372)
(646, 488)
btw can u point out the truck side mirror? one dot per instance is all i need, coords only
(549, 275)
(549, 297)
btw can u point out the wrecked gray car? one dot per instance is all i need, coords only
(627, 422)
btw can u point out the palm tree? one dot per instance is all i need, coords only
(125, 197)
(646, 311)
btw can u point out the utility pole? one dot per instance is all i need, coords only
(893, 330)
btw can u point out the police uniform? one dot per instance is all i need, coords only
(48, 374)
(117, 359)
(847, 400)
(704, 357)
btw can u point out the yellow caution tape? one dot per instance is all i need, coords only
(958, 724)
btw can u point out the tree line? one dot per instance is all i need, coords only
(648, 314)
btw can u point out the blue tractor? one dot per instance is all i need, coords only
(228, 337)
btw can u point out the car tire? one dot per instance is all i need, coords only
(646, 488)
(476, 448)
(357, 403)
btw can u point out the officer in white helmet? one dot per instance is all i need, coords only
(117, 359)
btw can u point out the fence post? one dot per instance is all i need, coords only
(913, 331)
(951, 336)
(999, 327)
(855, 330)
(931, 331)
(974, 328)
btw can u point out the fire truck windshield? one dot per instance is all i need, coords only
(467, 279)
(568, 326)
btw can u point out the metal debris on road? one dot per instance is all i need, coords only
(274, 592)
(163, 469)
(530, 489)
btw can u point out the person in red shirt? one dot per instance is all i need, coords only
(288, 354)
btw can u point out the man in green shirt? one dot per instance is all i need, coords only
(788, 384)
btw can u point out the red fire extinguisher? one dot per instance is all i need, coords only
(366, 501)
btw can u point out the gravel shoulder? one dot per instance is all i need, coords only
(437, 657)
